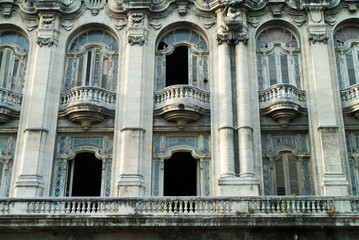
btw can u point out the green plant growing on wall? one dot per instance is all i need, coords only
(250, 212)
(332, 211)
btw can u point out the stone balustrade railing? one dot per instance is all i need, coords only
(282, 93)
(178, 94)
(350, 96)
(88, 95)
(10, 99)
(168, 206)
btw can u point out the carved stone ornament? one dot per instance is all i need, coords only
(224, 38)
(137, 19)
(32, 25)
(209, 23)
(352, 7)
(7, 9)
(232, 16)
(67, 25)
(136, 39)
(253, 21)
(47, 20)
(46, 40)
(330, 20)
(155, 24)
(121, 24)
(318, 37)
(240, 37)
(277, 9)
(182, 7)
(299, 20)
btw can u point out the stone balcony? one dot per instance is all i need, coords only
(279, 211)
(87, 105)
(350, 100)
(181, 104)
(10, 105)
(283, 102)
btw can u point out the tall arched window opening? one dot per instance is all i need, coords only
(346, 40)
(14, 49)
(92, 61)
(180, 175)
(182, 58)
(278, 59)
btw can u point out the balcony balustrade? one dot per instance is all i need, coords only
(10, 105)
(87, 105)
(282, 102)
(181, 104)
(319, 206)
(350, 100)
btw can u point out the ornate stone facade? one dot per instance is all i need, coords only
(229, 104)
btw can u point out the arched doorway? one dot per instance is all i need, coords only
(180, 175)
(86, 175)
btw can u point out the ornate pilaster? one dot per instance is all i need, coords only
(249, 182)
(326, 123)
(137, 32)
(38, 122)
(228, 182)
(130, 130)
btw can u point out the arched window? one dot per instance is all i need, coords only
(14, 49)
(277, 58)
(92, 60)
(346, 41)
(182, 58)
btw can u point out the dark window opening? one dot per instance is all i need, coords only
(87, 175)
(180, 175)
(177, 66)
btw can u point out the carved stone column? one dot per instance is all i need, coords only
(226, 130)
(131, 134)
(37, 128)
(250, 183)
(325, 111)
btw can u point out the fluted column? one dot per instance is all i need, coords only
(37, 128)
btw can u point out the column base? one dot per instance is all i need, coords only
(29, 186)
(238, 186)
(131, 185)
(335, 184)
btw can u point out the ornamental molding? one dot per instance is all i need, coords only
(277, 9)
(155, 24)
(136, 39)
(46, 40)
(182, 7)
(224, 38)
(121, 24)
(137, 19)
(46, 20)
(232, 38)
(318, 37)
(67, 25)
(31, 25)
(7, 9)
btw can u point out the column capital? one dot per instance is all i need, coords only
(318, 37)
(232, 37)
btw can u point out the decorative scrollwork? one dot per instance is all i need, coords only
(318, 37)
